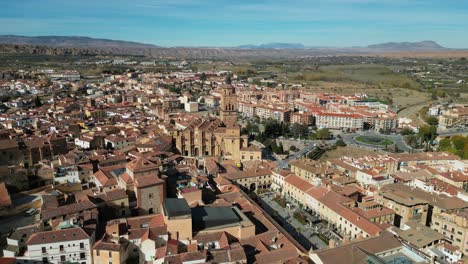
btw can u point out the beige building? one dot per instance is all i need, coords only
(217, 137)
(454, 226)
(309, 169)
(250, 153)
(110, 250)
(453, 117)
(414, 204)
(251, 179)
(142, 179)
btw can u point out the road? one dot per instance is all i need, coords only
(308, 147)
(452, 132)
(349, 139)
(12, 222)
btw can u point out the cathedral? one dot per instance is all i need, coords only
(215, 137)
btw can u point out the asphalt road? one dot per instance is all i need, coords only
(398, 139)
(309, 146)
(12, 222)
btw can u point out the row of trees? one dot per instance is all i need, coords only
(457, 145)
(424, 138)
(274, 129)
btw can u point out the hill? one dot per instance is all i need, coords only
(403, 46)
(71, 42)
(274, 46)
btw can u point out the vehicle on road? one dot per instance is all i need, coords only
(30, 211)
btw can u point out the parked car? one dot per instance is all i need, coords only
(30, 211)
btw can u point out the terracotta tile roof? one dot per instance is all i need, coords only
(141, 164)
(125, 177)
(278, 256)
(252, 173)
(57, 236)
(8, 144)
(105, 179)
(235, 255)
(409, 196)
(425, 156)
(49, 213)
(147, 181)
(7, 260)
(106, 244)
(334, 201)
(5, 199)
(357, 252)
(298, 182)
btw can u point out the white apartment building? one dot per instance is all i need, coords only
(83, 142)
(65, 245)
(265, 112)
(339, 121)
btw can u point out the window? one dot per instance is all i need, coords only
(150, 196)
(62, 258)
(44, 250)
(61, 247)
(81, 245)
(110, 254)
(44, 260)
(82, 255)
(97, 252)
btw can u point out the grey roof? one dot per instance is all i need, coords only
(174, 207)
(210, 217)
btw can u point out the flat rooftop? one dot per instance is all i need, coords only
(174, 208)
(216, 217)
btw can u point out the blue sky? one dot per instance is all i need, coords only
(337, 23)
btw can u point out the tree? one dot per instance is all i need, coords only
(340, 143)
(406, 131)
(293, 148)
(37, 101)
(228, 80)
(445, 144)
(432, 120)
(298, 130)
(323, 133)
(203, 77)
(202, 100)
(427, 133)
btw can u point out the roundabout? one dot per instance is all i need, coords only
(374, 140)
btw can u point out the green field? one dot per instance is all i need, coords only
(368, 74)
(374, 140)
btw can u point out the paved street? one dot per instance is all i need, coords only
(398, 139)
(12, 222)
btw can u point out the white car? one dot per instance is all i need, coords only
(30, 211)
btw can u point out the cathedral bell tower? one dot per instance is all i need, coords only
(228, 105)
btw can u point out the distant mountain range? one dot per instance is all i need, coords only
(397, 46)
(75, 42)
(274, 46)
(60, 45)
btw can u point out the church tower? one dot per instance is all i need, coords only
(228, 105)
